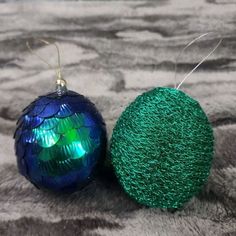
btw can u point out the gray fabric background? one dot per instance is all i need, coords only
(112, 52)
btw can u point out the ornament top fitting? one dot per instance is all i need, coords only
(61, 86)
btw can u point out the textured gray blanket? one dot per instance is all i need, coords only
(112, 52)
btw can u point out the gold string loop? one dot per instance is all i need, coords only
(60, 82)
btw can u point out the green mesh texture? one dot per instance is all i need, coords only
(162, 148)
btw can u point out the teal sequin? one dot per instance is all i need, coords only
(162, 148)
(63, 140)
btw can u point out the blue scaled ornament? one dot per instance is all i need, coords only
(60, 141)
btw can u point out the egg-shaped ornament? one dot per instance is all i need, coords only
(60, 140)
(162, 148)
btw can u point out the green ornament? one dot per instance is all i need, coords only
(162, 148)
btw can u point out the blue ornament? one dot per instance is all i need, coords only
(59, 141)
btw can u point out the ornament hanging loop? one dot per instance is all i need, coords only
(60, 82)
(203, 60)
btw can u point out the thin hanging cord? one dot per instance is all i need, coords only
(205, 58)
(182, 51)
(58, 69)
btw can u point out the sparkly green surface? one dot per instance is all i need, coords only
(162, 148)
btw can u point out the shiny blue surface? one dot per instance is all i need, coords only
(54, 161)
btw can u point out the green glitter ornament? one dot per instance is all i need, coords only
(162, 148)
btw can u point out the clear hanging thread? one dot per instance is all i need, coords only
(202, 61)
